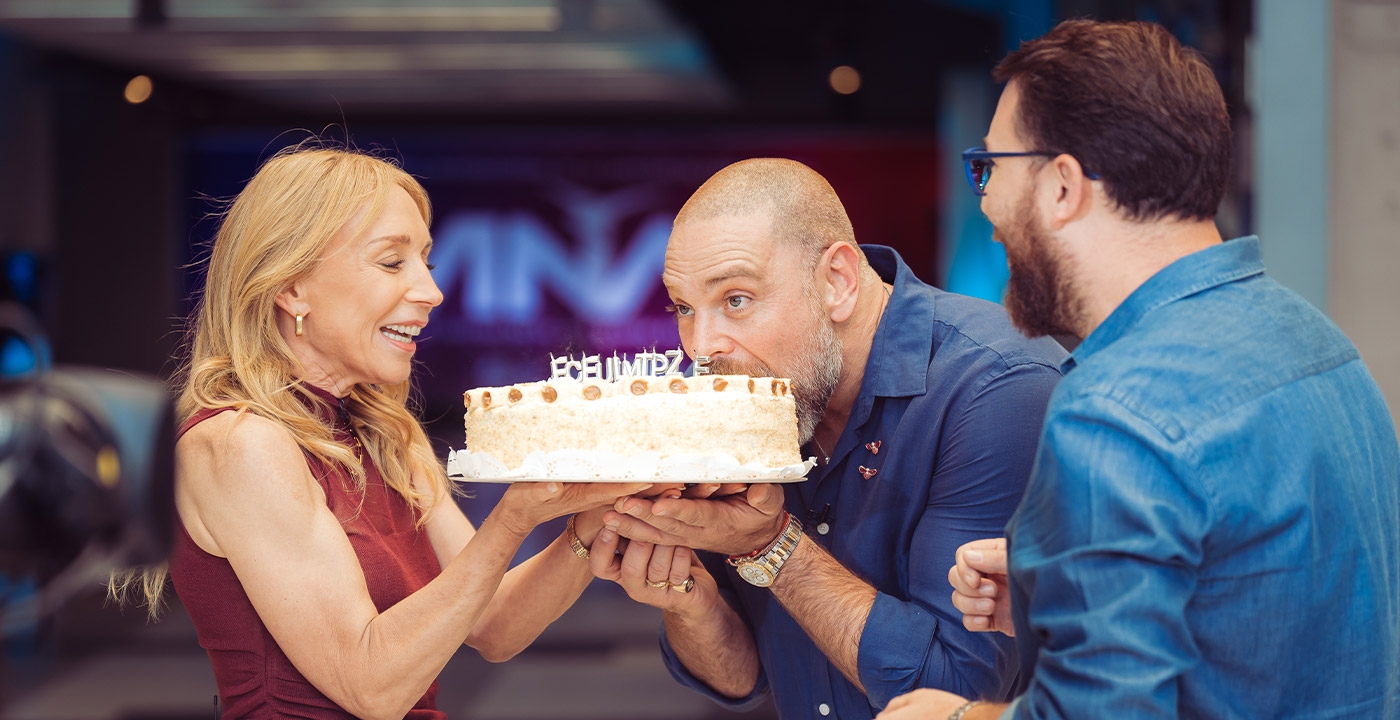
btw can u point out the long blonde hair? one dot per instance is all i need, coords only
(273, 234)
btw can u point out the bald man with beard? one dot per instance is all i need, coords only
(922, 408)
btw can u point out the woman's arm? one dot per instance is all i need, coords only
(535, 593)
(530, 596)
(245, 493)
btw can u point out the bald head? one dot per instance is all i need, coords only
(803, 209)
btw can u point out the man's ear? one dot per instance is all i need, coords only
(838, 280)
(1072, 192)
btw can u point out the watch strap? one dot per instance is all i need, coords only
(960, 712)
(772, 560)
(734, 560)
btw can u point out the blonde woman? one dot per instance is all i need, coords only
(319, 551)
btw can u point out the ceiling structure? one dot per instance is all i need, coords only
(410, 53)
(524, 58)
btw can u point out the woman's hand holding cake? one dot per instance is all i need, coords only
(527, 504)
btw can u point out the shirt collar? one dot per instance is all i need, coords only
(1202, 270)
(899, 355)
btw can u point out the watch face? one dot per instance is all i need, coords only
(755, 574)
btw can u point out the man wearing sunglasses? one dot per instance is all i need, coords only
(1212, 526)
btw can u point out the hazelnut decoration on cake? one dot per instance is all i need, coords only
(631, 419)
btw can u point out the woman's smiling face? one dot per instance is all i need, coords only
(366, 301)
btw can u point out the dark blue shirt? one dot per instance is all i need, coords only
(945, 426)
(1212, 528)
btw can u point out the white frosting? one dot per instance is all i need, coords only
(710, 427)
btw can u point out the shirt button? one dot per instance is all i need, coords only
(823, 529)
(824, 709)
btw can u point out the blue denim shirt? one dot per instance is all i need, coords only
(945, 425)
(1212, 528)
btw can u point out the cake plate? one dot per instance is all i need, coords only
(579, 467)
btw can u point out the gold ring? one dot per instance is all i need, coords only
(684, 587)
(659, 584)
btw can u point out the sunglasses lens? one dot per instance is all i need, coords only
(978, 167)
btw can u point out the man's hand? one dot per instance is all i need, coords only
(922, 704)
(655, 575)
(731, 524)
(979, 586)
(715, 491)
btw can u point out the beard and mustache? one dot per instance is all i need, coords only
(1041, 296)
(1041, 299)
(814, 371)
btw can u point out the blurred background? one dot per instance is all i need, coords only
(557, 139)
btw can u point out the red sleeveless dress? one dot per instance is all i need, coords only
(254, 676)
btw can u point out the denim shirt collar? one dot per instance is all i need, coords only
(898, 362)
(1202, 270)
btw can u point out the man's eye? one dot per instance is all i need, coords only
(736, 301)
(678, 310)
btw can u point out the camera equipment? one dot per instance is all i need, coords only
(86, 476)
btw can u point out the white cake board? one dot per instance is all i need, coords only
(691, 481)
(580, 467)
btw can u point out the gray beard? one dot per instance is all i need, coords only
(815, 370)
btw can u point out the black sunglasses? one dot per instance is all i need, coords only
(978, 164)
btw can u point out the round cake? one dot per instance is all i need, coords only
(635, 426)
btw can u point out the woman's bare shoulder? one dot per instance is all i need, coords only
(235, 432)
(239, 472)
(239, 444)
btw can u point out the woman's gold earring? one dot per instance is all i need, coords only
(299, 317)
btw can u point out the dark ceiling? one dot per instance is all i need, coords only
(776, 56)
(528, 58)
